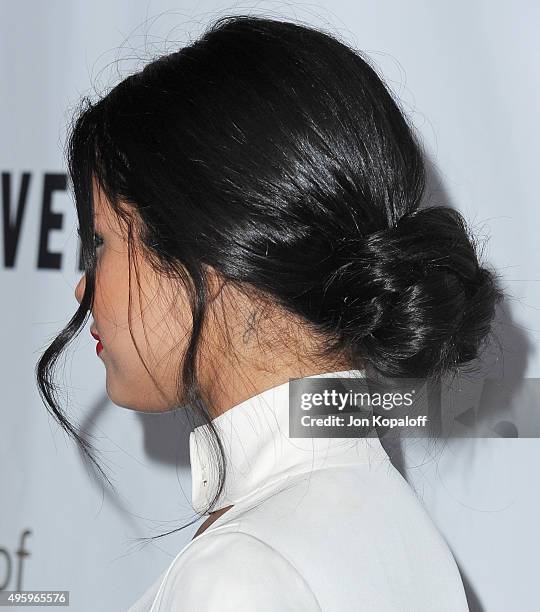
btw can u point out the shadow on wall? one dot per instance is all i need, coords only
(166, 440)
(166, 437)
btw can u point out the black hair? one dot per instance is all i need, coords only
(273, 153)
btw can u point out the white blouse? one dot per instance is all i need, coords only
(318, 524)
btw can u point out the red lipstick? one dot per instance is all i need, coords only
(99, 346)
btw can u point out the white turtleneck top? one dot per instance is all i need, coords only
(318, 525)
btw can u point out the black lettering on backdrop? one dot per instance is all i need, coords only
(5, 575)
(50, 221)
(13, 217)
(13, 230)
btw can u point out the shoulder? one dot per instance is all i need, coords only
(232, 570)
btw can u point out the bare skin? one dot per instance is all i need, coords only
(211, 519)
(247, 345)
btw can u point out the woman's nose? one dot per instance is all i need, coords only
(79, 289)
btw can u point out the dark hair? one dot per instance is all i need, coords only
(273, 153)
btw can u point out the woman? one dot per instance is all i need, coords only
(255, 198)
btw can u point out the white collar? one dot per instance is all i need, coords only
(259, 452)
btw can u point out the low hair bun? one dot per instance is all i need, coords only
(415, 301)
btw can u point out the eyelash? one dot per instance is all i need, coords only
(98, 240)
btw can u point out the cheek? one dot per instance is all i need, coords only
(111, 294)
(160, 321)
(164, 337)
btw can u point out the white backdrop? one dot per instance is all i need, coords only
(466, 72)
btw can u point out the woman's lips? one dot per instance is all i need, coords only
(99, 346)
